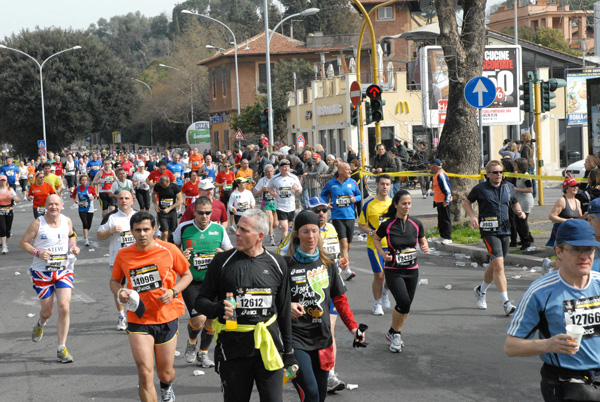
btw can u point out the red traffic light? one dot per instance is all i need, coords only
(374, 91)
(266, 111)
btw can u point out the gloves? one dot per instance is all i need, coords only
(359, 335)
(289, 359)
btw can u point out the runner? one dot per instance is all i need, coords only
(494, 197)
(268, 200)
(255, 277)
(105, 179)
(115, 226)
(196, 160)
(224, 181)
(190, 189)
(343, 192)
(51, 271)
(200, 239)
(52, 179)
(122, 183)
(38, 192)
(161, 171)
(8, 197)
(403, 234)
(166, 198)
(23, 178)
(151, 267)
(142, 189)
(371, 216)
(241, 200)
(11, 171)
(71, 173)
(286, 187)
(84, 197)
(246, 172)
(219, 210)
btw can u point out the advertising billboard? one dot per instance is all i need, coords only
(501, 64)
(198, 133)
(577, 110)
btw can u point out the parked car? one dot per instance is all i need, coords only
(577, 169)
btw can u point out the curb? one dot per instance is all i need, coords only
(480, 255)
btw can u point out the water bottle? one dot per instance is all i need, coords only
(473, 264)
(290, 372)
(531, 248)
(460, 263)
(461, 256)
(435, 253)
(71, 261)
(231, 322)
(485, 265)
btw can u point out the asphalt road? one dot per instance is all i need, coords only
(453, 352)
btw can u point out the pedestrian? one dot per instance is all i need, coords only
(84, 196)
(421, 157)
(8, 198)
(382, 162)
(550, 305)
(286, 187)
(151, 267)
(371, 217)
(403, 235)
(494, 197)
(38, 193)
(166, 197)
(442, 198)
(268, 200)
(261, 345)
(397, 180)
(527, 152)
(524, 192)
(51, 272)
(314, 284)
(565, 208)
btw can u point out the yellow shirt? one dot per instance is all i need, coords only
(245, 173)
(372, 215)
(53, 180)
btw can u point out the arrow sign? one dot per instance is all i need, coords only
(373, 91)
(480, 92)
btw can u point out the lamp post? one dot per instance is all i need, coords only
(305, 13)
(220, 49)
(191, 87)
(41, 67)
(237, 78)
(152, 99)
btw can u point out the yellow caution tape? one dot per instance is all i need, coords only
(481, 176)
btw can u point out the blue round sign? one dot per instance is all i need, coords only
(480, 92)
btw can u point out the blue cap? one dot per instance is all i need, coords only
(317, 201)
(576, 232)
(594, 207)
(435, 161)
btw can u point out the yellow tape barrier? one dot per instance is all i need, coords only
(410, 173)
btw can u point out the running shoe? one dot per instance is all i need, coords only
(446, 241)
(480, 296)
(87, 242)
(396, 343)
(232, 229)
(509, 308)
(190, 352)
(377, 308)
(5, 249)
(390, 336)
(334, 384)
(347, 274)
(546, 268)
(64, 356)
(122, 324)
(385, 300)
(272, 242)
(38, 332)
(203, 360)
(167, 394)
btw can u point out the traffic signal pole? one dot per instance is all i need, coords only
(538, 136)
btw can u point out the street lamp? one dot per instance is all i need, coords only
(237, 77)
(41, 66)
(152, 99)
(305, 13)
(191, 86)
(220, 49)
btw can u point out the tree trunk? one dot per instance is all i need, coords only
(460, 145)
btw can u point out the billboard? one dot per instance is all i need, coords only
(577, 110)
(501, 64)
(593, 111)
(198, 133)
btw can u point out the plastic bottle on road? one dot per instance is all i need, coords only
(460, 263)
(473, 264)
(461, 256)
(485, 265)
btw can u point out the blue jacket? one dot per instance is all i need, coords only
(340, 194)
(494, 203)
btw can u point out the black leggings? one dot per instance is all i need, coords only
(311, 380)
(6, 224)
(143, 198)
(23, 184)
(86, 219)
(403, 285)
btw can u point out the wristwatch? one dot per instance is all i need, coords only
(370, 233)
(174, 293)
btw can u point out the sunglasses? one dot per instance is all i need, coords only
(579, 251)
(496, 172)
(320, 210)
(203, 212)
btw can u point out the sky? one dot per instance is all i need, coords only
(16, 15)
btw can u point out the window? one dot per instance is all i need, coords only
(214, 84)
(262, 73)
(224, 73)
(385, 13)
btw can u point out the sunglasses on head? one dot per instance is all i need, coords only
(203, 212)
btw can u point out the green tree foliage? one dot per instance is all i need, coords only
(334, 17)
(86, 91)
(249, 120)
(548, 37)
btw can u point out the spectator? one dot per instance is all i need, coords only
(331, 168)
(523, 190)
(527, 153)
(382, 162)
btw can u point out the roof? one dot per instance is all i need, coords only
(280, 44)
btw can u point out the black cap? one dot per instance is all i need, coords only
(306, 217)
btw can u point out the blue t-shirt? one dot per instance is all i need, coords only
(549, 305)
(11, 172)
(94, 167)
(177, 170)
(340, 194)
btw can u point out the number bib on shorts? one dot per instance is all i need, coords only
(243, 206)
(126, 238)
(166, 203)
(285, 192)
(5, 210)
(56, 262)
(343, 200)
(406, 258)
(584, 312)
(332, 246)
(254, 302)
(489, 224)
(201, 260)
(41, 211)
(145, 278)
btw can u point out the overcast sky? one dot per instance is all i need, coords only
(16, 15)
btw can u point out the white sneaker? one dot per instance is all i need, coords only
(509, 308)
(5, 249)
(87, 242)
(190, 352)
(396, 343)
(385, 300)
(272, 241)
(377, 308)
(546, 268)
(232, 229)
(122, 323)
(481, 303)
(446, 241)
(167, 395)
(334, 384)
(347, 274)
(424, 196)
(203, 360)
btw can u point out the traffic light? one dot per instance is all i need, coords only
(547, 89)
(528, 99)
(374, 94)
(368, 113)
(264, 121)
(354, 115)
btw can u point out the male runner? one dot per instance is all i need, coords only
(53, 240)
(151, 267)
(115, 226)
(11, 171)
(285, 187)
(219, 211)
(38, 193)
(122, 183)
(200, 239)
(105, 179)
(166, 198)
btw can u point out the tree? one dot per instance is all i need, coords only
(334, 17)
(86, 91)
(463, 51)
(548, 37)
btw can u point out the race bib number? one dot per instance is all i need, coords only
(584, 312)
(41, 211)
(489, 224)
(126, 238)
(267, 196)
(243, 206)
(166, 203)
(83, 204)
(145, 278)
(5, 211)
(332, 247)
(177, 175)
(343, 200)
(56, 262)
(256, 302)
(201, 260)
(406, 257)
(285, 192)
(10, 173)
(95, 167)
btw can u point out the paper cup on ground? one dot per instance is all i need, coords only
(575, 332)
